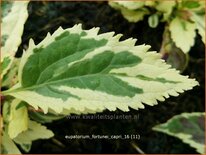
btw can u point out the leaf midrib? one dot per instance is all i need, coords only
(8, 92)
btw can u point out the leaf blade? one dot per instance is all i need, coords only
(189, 127)
(14, 15)
(94, 72)
(180, 30)
(8, 145)
(35, 131)
(18, 119)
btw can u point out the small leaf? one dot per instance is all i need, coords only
(166, 8)
(153, 20)
(10, 78)
(6, 110)
(131, 5)
(189, 127)
(18, 119)
(130, 14)
(81, 71)
(8, 145)
(6, 61)
(35, 131)
(182, 33)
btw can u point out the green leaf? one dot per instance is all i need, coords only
(82, 71)
(8, 145)
(18, 119)
(189, 127)
(10, 78)
(35, 131)
(44, 118)
(153, 20)
(6, 111)
(130, 14)
(14, 15)
(26, 147)
(190, 4)
(182, 33)
(6, 61)
(6, 8)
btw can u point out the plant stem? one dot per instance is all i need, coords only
(57, 142)
(136, 147)
(166, 42)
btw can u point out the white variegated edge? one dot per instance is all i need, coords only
(100, 100)
(13, 26)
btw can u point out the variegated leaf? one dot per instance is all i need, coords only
(8, 146)
(196, 12)
(10, 78)
(166, 8)
(183, 17)
(189, 127)
(135, 11)
(82, 71)
(132, 11)
(18, 118)
(35, 131)
(131, 5)
(183, 33)
(14, 15)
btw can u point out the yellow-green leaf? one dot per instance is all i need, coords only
(182, 33)
(35, 131)
(165, 7)
(132, 11)
(10, 78)
(18, 119)
(8, 145)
